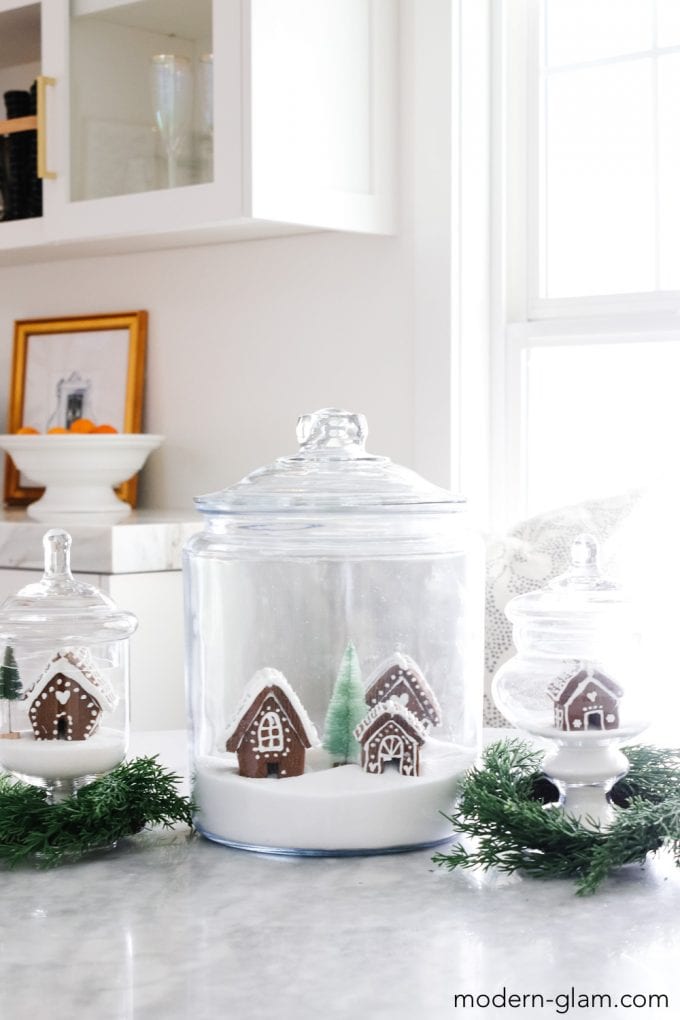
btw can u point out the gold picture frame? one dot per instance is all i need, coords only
(42, 375)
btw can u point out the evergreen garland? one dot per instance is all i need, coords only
(137, 794)
(502, 805)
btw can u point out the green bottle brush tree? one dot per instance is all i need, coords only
(346, 710)
(10, 686)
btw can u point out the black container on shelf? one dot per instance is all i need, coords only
(22, 191)
(34, 199)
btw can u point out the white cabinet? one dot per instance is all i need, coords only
(301, 134)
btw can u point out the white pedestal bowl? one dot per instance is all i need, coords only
(79, 472)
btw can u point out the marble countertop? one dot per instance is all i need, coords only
(145, 540)
(168, 927)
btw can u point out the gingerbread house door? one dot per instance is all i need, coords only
(593, 719)
(391, 750)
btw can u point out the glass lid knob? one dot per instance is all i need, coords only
(57, 548)
(332, 429)
(585, 555)
(584, 572)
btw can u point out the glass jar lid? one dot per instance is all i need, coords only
(330, 472)
(581, 591)
(62, 608)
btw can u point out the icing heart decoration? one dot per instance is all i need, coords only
(591, 695)
(63, 696)
(403, 698)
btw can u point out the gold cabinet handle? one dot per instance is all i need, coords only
(43, 81)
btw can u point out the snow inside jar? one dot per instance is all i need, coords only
(63, 678)
(334, 622)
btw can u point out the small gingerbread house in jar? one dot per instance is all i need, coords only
(270, 731)
(401, 678)
(67, 700)
(390, 735)
(585, 699)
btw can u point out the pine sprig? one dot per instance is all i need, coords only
(502, 806)
(138, 794)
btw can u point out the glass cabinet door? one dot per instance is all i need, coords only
(20, 84)
(140, 96)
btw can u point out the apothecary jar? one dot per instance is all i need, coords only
(334, 622)
(63, 678)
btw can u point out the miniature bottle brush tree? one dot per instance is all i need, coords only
(10, 687)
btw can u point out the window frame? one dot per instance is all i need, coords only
(521, 318)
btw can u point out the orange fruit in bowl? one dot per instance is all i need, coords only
(57, 431)
(27, 430)
(82, 425)
(104, 429)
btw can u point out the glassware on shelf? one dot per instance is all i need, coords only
(172, 100)
(334, 628)
(63, 678)
(577, 680)
(205, 81)
(205, 115)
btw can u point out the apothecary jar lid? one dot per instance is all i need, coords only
(61, 607)
(581, 594)
(331, 472)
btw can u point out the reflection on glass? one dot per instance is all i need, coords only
(172, 97)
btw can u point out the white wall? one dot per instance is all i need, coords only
(244, 337)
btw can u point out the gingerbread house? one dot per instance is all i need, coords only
(585, 698)
(270, 731)
(67, 700)
(390, 735)
(401, 678)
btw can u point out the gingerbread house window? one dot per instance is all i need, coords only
(270, 733)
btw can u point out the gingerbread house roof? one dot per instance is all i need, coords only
(404, 666)
(573, 681)
(264, 683)
(391, 709)
(76, 665)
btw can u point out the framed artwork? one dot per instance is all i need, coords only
(88, 366)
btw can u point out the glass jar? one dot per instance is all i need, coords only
(63, 678)
(576, 679)
(334, 622)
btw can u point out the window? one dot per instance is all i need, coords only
(588, 341)
(270, 733)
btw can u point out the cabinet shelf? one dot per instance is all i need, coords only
(11, 127)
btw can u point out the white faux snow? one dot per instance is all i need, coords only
(63, 759)
(77, 666)
(391, 708)
(269, 677)
(330, 809)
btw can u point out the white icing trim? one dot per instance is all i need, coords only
(407, 665)
(557, 686)
(390, 708)
(76, 665)
(270, 677)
